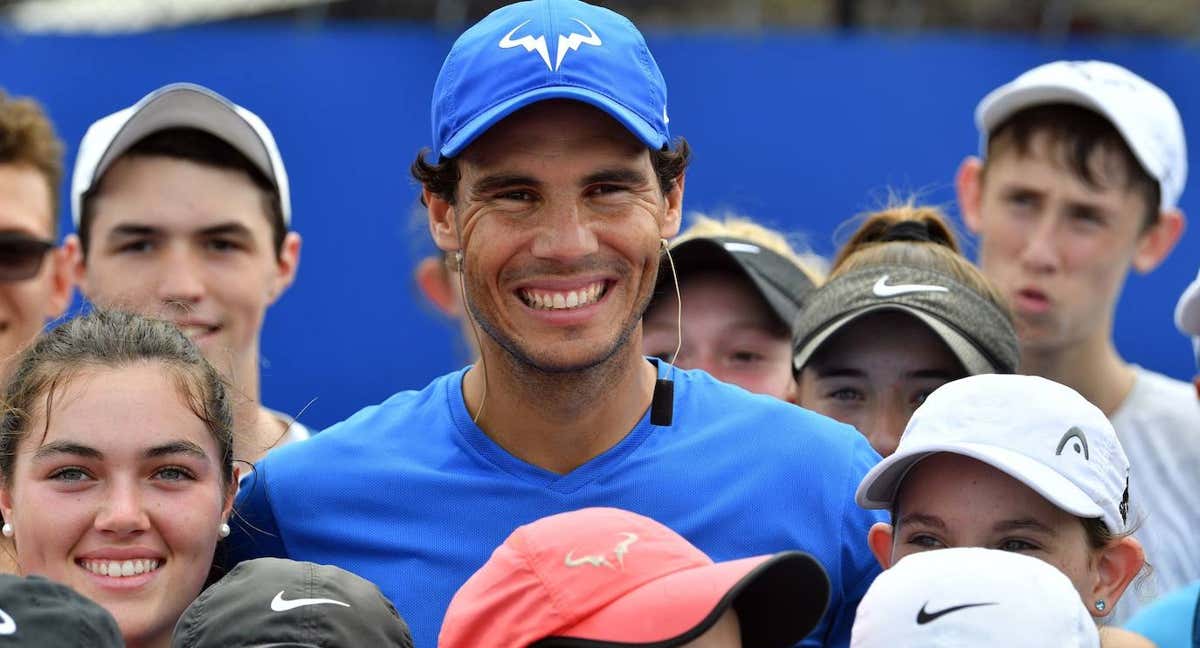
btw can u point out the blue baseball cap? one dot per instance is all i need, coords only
(547, 49)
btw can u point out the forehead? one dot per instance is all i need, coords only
(156, 190)
(964, 485)
(553, 132)
(131, 406)
(25, 200)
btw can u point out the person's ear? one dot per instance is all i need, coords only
(968, 184)
(673, 217)
(230, 494)
(437, 284)
(76, 264)
(62, 281)
(879, 539)
(287, 263)
(443, 225)
(1158, 240)
(1115, 567)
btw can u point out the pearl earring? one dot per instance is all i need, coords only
(223, 530)
(1101, 605)
(7, 530)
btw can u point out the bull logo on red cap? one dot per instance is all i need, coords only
(567, 43)
(601, 560)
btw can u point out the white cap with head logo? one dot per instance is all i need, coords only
(1043, 434)
(1140, 111)
(976, 597)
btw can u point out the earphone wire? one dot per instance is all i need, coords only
(462, 290)
(678, 304)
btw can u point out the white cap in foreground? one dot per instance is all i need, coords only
(954, 598)
(1043, 434)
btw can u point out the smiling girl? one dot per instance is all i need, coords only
(115, 467)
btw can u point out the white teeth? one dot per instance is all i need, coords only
(119, 568)
(564, 300)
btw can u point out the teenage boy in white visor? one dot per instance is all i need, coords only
(1016, 463)
(182, 212)
(1083, 165)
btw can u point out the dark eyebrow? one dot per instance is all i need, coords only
(1023, 524)
(488, 184)
(228, 229)
(839, 372)
(616, 176)
(67, 447)
(921, 518)
(176, 448)
(130, 230)
(934, 373)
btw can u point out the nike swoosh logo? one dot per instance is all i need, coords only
(924, 617)
(882, 289)
(280, 604)
(7, 625)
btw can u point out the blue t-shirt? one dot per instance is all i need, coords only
(413, 496)
(1171, 622)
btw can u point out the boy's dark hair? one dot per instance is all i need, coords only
(201, 147)
(1075, 134)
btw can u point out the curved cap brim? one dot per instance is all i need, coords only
(879, 487)
(778, 599)
(485, 120)
(972, 360)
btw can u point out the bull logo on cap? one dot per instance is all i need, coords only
(568, 43)
(601, 560)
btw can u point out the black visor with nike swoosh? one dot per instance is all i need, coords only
(276, 602)
(978, 333)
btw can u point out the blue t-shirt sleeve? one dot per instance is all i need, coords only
(1171, 621)
(254, 532)
(859, 567)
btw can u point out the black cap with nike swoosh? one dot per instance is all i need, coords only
(276, 602)
(37, 612)
(979, 334)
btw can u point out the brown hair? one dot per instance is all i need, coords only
(111, 339)
(1074, 135)
(27, 138)
(200, 147)
(441, 177)
(911, 235)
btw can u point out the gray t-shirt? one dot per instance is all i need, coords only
(1159, 427)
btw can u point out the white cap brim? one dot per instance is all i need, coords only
(179, 105)
(879, 488)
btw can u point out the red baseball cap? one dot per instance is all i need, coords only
(601, 577)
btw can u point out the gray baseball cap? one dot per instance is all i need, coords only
(271, 601)
(36, 612)
(776, 278)
(979, 334)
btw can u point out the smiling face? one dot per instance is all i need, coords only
(729, 331)
(189, 243)
(558, 215)
(875, 372)
(25, 305)
(122, 497)
(1056, 246)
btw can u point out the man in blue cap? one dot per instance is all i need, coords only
(552, 184)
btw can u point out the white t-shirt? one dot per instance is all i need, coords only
(1159, 427)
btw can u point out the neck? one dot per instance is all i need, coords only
(1093, 368)
(156, 641)
(256, 430)
(559, 421)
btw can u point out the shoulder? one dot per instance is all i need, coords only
(1156, 398)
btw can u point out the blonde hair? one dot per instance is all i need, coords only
(881, 240)
(813, 265)
(27, 138)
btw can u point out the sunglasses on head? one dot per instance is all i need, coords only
(21, 255)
